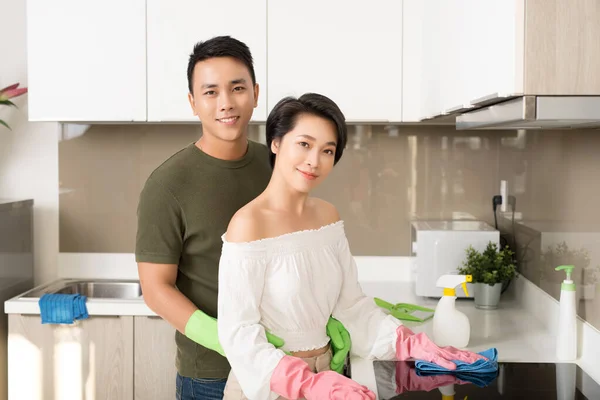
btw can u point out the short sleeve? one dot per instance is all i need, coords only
(160, 226)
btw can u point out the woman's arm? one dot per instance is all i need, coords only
(243, 338)
(372, 331)
(380, 336)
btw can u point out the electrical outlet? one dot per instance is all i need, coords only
(504, 195)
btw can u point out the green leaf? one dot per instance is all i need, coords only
(492, 266)
(5, 124)
(7, 103)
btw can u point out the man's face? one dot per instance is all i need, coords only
(223, 98)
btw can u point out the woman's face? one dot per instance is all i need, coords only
(305, 155)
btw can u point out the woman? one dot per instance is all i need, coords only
(286, 268)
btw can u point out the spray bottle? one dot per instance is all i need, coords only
(566, 346)
(450, 326)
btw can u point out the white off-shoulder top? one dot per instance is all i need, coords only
(290, 285)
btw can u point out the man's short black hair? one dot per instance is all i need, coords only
(219, 46)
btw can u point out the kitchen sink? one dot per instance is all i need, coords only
(104, 290)
(99, 289)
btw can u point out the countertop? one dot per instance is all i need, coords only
(520, 329)
(8, 204)
(517, 335)
(22, 304)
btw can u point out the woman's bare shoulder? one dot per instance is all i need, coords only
(325, 211)
(245, 225)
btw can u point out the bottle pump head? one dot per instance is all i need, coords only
(568, 283)
(449, 282)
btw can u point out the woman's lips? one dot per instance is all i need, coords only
(308, 175)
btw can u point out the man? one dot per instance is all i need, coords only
(186, 205)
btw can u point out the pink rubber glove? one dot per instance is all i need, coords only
(407, 380)
(293, 379)
(420, 347)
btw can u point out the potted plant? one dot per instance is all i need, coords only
(490, 271)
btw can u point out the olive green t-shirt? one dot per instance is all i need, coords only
(184, 209)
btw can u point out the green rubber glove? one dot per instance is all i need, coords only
(202, 329)
(340, 344)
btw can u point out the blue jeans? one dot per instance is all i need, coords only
(196, 389)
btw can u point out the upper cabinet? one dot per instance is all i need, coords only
(350, 51)
(86, 60)
(380, 60)
(468, 53)
(173, 30)
(458, 52)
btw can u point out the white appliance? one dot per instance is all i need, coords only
(439, 248)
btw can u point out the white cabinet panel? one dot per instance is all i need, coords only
(413, 15)
(174, 27)
(471, 49)
(86, 60)
(350, 51)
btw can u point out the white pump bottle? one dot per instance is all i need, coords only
(566, 349)
(450, 326)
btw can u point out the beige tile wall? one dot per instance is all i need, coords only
(387, 176)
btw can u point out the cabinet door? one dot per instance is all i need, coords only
(413, 14)
(92, 359)
(86, 60)
(155, 352)
(173, 30)
(350, 51)
(493, 41)
(431, 48)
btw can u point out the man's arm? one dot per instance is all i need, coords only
(162, 296)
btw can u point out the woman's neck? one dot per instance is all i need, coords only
(280, 196)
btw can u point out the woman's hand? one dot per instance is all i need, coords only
(293, 379)
(420, 347)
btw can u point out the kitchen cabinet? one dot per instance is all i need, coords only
(349, 51)
(413, 96)
(481, 52)
(92, 359)
(173, 30)
(154, 364)
(86, 60)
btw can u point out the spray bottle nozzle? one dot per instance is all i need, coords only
(450, 282)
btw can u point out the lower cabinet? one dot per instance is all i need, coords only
(100, 358)
(154, 355)
(92, 359)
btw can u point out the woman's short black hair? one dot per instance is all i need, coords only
(282, 119)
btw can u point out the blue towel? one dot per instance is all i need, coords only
(480, 373)
(62, 308)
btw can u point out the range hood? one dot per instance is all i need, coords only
(535, 112)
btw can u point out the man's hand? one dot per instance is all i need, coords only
(340, 344)
(274, 340)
